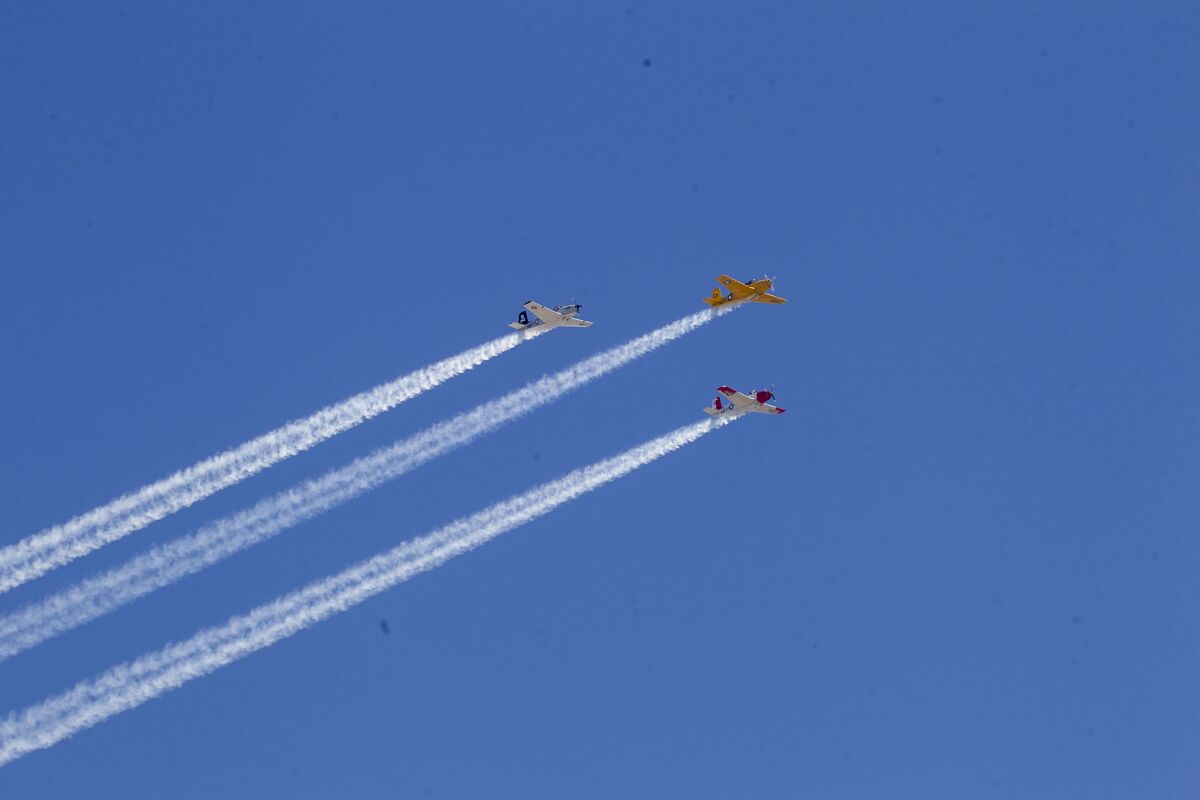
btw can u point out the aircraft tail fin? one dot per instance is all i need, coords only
(522, 321)
(715, 299)
(716, 408)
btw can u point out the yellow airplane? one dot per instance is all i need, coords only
(755, 291)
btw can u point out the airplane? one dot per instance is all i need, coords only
(739, 403)
(550, 317)
(753, 290)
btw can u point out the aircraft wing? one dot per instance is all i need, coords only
(547, 315)
(763, 297)
(738, 289)
(763, 408)
(741, 402)
(575, 322)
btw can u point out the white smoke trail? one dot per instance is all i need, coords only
(165, 564)
(61, 544)
(128, 685)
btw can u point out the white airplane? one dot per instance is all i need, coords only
(742, 403)
(550, 317)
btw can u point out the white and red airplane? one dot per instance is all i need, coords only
(758, 402)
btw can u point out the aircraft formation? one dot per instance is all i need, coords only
(127, 685)
(753, 290)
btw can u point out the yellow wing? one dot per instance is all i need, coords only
(763, 297)
(738, 289)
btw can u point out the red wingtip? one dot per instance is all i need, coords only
(726, 390)
(779, 410)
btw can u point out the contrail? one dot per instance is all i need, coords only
(165, 564)
(61, 544)
(128, 685)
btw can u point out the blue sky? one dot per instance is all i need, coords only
(962, 565)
